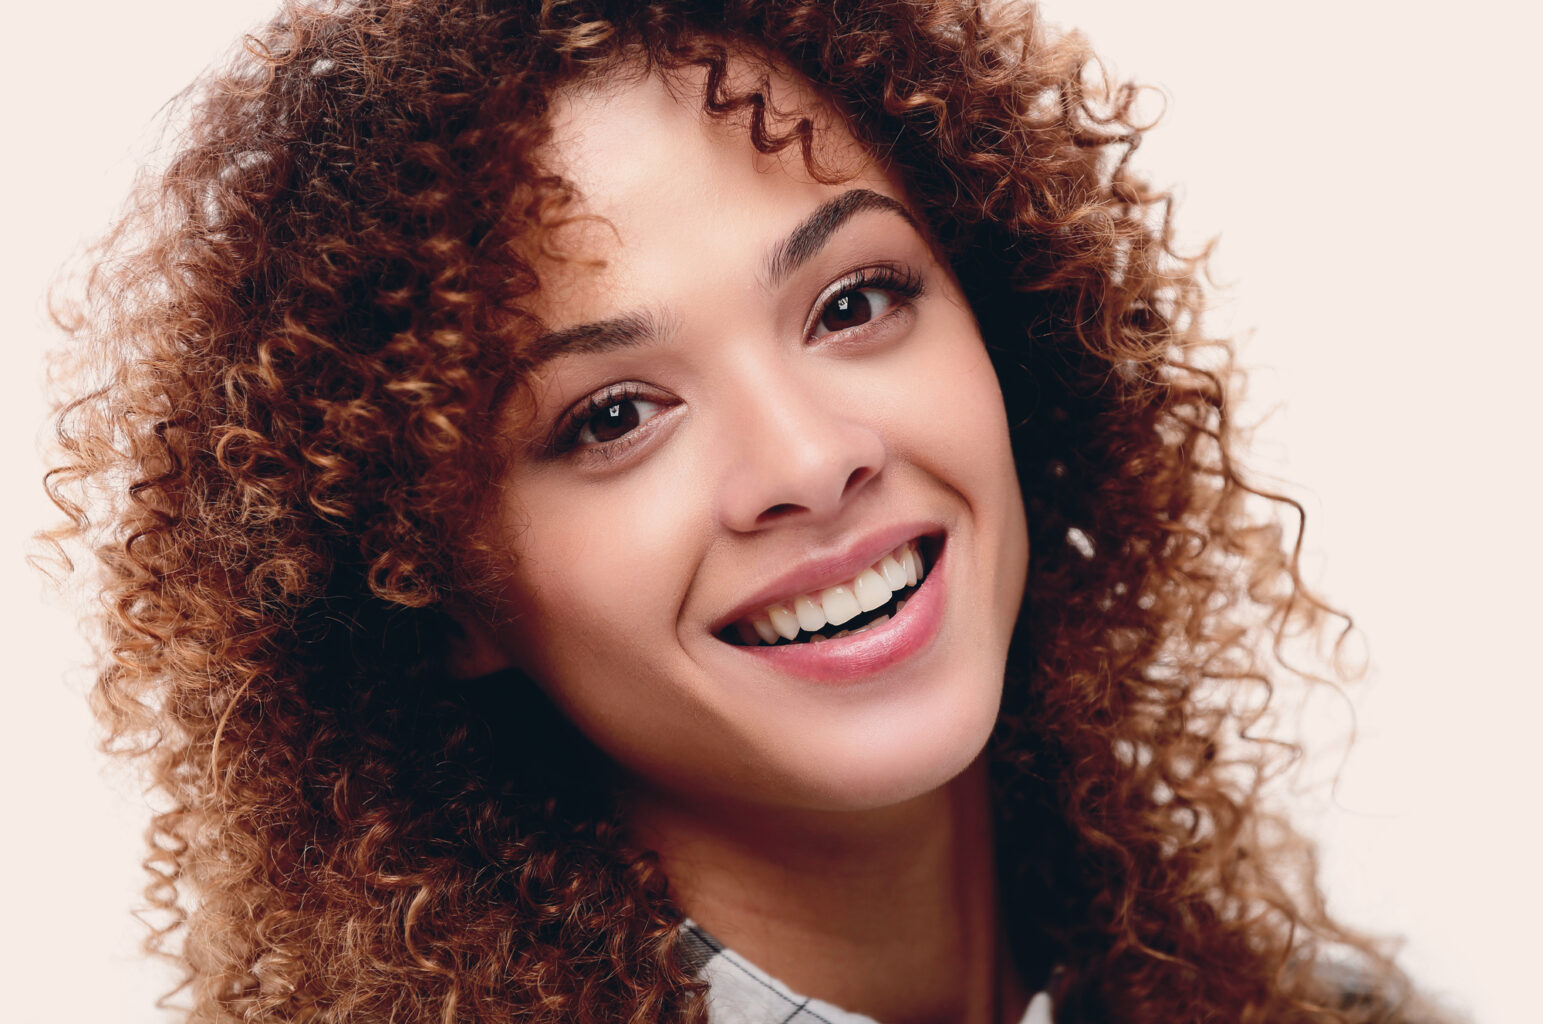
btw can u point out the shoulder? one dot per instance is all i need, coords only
(1381, 997)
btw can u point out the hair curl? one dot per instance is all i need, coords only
(304, 331)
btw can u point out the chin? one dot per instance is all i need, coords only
(914, 751)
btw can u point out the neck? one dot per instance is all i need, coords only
(891, 913)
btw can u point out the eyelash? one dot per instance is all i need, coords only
(566, 438)
(903, 282)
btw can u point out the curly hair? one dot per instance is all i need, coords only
(288, 360)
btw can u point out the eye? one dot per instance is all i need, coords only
(610, 421)
(862, 298)
(609, 418)
(852, 308)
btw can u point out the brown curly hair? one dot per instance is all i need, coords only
(288, 360)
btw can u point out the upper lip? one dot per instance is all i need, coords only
(827, 567)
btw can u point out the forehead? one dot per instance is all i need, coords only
(655, 172)
(632, 121)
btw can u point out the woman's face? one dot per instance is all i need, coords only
(761, 396)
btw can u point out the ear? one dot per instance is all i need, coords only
(474, 645)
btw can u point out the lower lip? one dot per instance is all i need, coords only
(863, 655)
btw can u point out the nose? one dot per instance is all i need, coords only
(797, 452)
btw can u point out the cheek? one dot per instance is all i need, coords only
(591, 614)
(599, 574)
(950, 411)
(973, 413)
(966, 444)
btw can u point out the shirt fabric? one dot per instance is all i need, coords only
(739, 992)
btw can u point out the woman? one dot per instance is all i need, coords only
(589, 466)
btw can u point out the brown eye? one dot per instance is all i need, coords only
(616, 420)
(848, 309)
(853, 308)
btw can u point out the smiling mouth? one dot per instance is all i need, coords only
(867, 600)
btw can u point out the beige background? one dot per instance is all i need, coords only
(1372, 172)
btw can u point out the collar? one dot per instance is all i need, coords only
(739, 992)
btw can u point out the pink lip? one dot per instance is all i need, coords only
(861, 655)
(828, 569)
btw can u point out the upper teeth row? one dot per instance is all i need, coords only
(870, 589)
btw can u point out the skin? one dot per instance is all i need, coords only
(835, 833)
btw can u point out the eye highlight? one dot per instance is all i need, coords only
(606, 421)
(862, 298)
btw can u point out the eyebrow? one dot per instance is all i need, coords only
(598, 336)
(798, 248)
(816, 230)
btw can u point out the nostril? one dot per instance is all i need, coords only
(778, 511)
(859, 477)
(855, 480)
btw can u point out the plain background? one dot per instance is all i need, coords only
(1371, 170)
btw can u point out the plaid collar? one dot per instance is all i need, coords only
(739, 992)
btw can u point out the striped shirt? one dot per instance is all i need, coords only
(739, 992)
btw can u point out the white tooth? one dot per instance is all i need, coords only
(910, 563)
(870, 590)
(869, 625)
(839, 604)
(747, 633)
(763, 628)
(818, 638)
(811, 617)
(783, 621)
(899, 605)
(892, 572)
